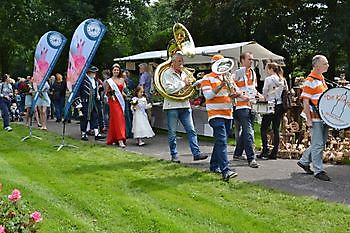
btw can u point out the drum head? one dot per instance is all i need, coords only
(334, 107)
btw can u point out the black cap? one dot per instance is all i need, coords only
(93, 69)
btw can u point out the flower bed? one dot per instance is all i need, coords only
(15, 214)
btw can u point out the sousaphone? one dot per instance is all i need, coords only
(182, 42)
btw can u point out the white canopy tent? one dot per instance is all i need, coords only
(202, 53)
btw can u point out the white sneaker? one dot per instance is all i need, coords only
(253, 164)
(8, 129)
(121, 144)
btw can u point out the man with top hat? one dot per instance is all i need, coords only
(88, 94)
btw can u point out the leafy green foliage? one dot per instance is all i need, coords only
(296, 30)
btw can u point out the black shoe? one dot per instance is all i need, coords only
(99, 137)
(229, 174)
(216, 170)
(84, 138)
(175, 160)
(69, 121)
(236, 157)
(322, 176)
(264, 155)
(272, 156)
(200, 157)
(90, 133)
(306, 168)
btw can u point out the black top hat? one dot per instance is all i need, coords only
(93, 69)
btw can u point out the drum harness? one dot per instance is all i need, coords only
(314, 107)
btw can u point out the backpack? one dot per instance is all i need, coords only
(286, 97)
(286, 100)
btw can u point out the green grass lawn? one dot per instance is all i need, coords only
(104, 189)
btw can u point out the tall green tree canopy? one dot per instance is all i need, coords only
(295, 29)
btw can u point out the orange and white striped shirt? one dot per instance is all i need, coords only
(220, 104)
(245, 80)
(314, 86)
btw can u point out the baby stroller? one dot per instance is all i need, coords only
(14, 113)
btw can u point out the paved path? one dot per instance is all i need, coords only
(279, 174)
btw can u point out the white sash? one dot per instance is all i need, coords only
(118, 94)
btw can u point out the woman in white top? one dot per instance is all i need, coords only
(43, 103)
(274, 84)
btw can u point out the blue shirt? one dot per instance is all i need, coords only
(146, 81)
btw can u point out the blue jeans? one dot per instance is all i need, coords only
(221, 130)
(245, 141)
(185, 117)
(4, 107)
(314, 154)
(59, 106)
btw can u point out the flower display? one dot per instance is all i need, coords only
(24, 88)
(36, 216)
(111, 94)
(134, 101)
(15, 215)
(15, 195)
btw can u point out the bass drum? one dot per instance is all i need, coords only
(334, 107)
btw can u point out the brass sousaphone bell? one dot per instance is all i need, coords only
(223, 68)
(182, 42)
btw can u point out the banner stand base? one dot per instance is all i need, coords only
(63, 144)
(60, 146)
(30, 135)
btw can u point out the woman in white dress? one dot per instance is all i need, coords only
(140, 127)
(44, 102)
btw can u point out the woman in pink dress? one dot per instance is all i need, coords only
(114, 91)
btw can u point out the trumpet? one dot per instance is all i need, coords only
(223, 68)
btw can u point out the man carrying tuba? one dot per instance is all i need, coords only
(175, 79)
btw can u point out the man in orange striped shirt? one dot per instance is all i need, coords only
(219, 107)
(245, 79)
(314, 86)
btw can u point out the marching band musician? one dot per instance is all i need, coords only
(219, 107)
(88, 93)
(245, 79)
(314, 86)
(274, 85)
(174, 79)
